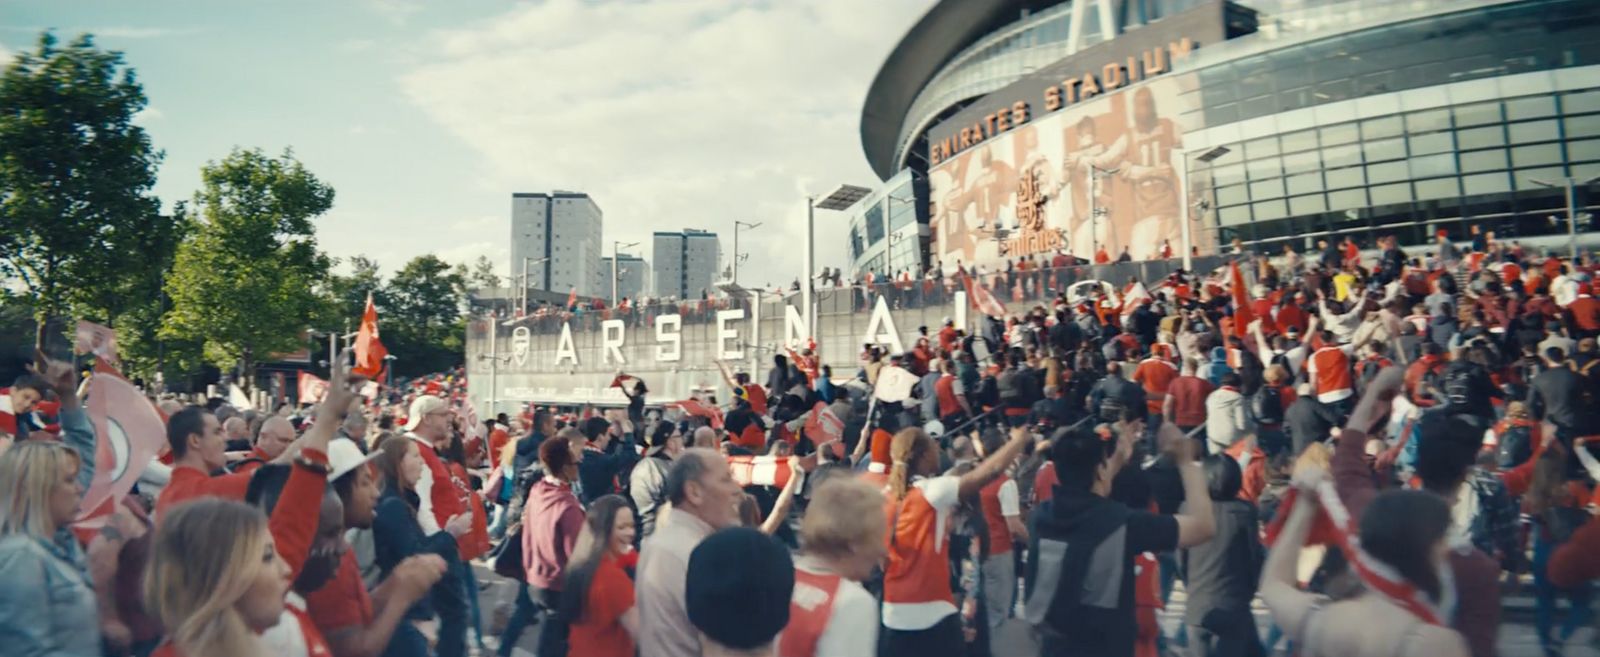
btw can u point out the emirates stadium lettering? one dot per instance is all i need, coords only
(1070, 91)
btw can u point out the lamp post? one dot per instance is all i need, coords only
(1181, 160)
(1569, 183)
(736, 256)
(617, 247)
(839, 199)
(1095, 211)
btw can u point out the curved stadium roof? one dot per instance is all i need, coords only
(942, 33)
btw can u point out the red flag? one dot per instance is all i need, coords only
(1242, 315)
(369, 349)
(129, 432)
(620, 378)
(312, 387)
(697, 408)
(981, 298)
(823, 425)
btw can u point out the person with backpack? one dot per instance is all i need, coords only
(1018, 389)
(1514, 438)
(1114, 396)
(647, 483)
(1270, 402)
(1083, 546)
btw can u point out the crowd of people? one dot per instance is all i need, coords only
(1376, 451)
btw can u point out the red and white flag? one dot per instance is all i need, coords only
(312, 387)
(760, 470)
(823, 425)
(621, 379)
(129, 433)
(99, 340)
(981, 298)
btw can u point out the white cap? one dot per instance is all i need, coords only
(344, 456)
(420, 408)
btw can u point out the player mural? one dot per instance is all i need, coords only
(1096, 177)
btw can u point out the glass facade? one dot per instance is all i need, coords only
(1407, 128)
(888, 228)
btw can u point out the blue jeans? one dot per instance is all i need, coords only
(447, 598)
(1169, 575)
(1544, 593)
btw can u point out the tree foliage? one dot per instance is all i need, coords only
(77, 223)
(249, 278)
(421, 325)
(483, 275)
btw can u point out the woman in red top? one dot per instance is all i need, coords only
(598, 597)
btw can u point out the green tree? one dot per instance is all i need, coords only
(422, 325)
(250, 278)
(483, 275)
(77, 223)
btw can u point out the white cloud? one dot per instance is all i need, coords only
(690, 113)
(149, 113)
(6, 55)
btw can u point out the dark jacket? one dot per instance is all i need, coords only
(599, 472)
(1130, 394)
(396, 534)
(527, 451)
(1221, 574)
(1556, 395)
(1309, 421)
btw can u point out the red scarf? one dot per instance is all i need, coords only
(1378, 577)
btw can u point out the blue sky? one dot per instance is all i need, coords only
(426, 116)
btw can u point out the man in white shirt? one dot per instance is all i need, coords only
(704, 498)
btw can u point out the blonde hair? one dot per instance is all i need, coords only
(1276, 375)
(845, 512)
(29, 472)
(205, 556)
(905, 450)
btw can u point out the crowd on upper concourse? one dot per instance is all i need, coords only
(1374, 448)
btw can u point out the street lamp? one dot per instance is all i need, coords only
(1210, 155)
(736, 256)
(617, 247)
(1569, 183)
(1095, 211)
(839, 199)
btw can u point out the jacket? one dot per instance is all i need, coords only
(1225, 419)
(396, 534)
(47, 604)
(550, 526)
(647, 487)
(598, 472)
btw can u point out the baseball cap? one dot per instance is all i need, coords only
(344, 456)
(420, 408)
(738, 588)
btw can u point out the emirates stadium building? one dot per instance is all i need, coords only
(1033, 127)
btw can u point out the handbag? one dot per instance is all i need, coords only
(508, 556)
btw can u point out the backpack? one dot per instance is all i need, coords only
(1516, 446)
(1266, 406)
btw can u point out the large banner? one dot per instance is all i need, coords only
(1029, 191)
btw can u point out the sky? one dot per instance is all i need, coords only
(426, 116)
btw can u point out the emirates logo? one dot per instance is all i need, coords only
(1030, 203)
